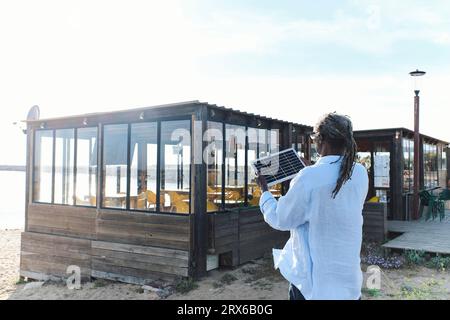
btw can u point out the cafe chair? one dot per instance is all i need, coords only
(178, 203)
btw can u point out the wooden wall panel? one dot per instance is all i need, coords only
(225, 232)
(256, 237)
(137, 264)
(375, 221)
(245, 234)
(46, 256)
(72, 221)
(166, 231)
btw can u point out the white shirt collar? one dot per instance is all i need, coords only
(329, 159)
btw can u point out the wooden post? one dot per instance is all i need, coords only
(100, 173)
(447, 182)
(199, 227)
(29, 172)
(417, 171)
(396, 177)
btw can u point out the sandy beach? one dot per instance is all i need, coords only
(254, 280)
(9, 261)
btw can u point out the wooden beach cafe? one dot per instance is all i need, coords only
(152, 193)
(168, 191)
(388, 155)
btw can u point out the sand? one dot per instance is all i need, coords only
(9, 261)
(255, 280)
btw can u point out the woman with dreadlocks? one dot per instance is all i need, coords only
(323, 212)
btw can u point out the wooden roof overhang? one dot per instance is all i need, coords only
(167, 111)
(391, 132)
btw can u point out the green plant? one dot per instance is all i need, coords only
(439, 262)
(99, 283)
(422, 292)
(414, 257)
(228, 278)
(139, 290)
(372, 292)
(21, 281)
(186, 285)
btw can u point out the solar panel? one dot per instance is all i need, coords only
(279, 167)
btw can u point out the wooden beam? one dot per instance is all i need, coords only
(396, 177)
(198, 197)
(29, 171)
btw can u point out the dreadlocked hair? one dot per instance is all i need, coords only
(337, 130)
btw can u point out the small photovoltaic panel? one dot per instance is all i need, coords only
(279, 167)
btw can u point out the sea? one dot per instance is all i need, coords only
(12, 200)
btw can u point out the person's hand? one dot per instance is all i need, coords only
(262, 182)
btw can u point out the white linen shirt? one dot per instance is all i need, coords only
(322, 255)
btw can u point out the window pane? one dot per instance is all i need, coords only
(411, 164)
(234, 165)
(407, 168)
(86, 173)
(364, 158)
(444, 159)
(115, 166)
(381, 166)
(258, 146)
(143, 166)
(314, 153)
(175, 166)
(43, 162)
(274, 147)
(64, 166)
(214, 161)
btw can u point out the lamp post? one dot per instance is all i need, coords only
(416, 76)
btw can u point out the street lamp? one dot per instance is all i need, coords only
(416, 78)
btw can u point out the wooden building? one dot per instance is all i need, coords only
(389, 156)
(150, 193)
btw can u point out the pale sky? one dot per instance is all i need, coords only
(292, 60)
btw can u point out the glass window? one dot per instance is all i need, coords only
(430, 165)
(434, 166)
(408, 169)
(86, 167)
(381, 169)
(365, 159)
(274, 143)
(274, 147)
(175, 164)
(314, 153)
(258, 146)
(144, 155)
(235, 137)
(298, 142)
(444, 159)
(411, 164)
(214, 160)
(115, 166)
(43, 164)
(64, 166)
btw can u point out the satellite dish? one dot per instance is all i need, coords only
(33, 114)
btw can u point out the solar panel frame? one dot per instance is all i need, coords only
(286, 157)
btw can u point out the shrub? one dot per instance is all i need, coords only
(439, 262)
(393, 262)
(186, 285)
(414, 257)
(372, 292)
(228, 278)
